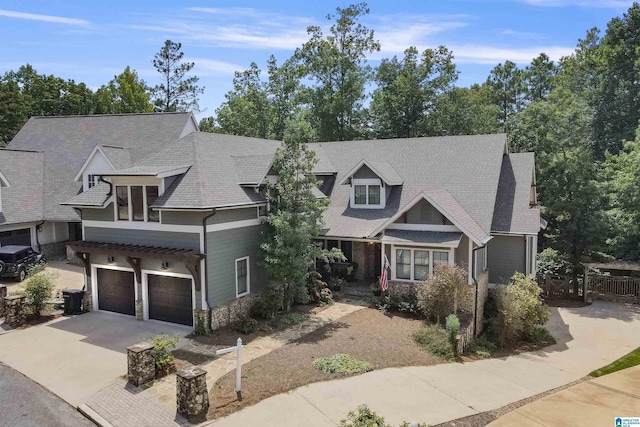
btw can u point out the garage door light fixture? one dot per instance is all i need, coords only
(111, 259)
(165, 265)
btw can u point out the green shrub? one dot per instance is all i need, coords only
(553, 263)
(452, 325)
(518, 310)
(403, 297)
(198, 329)
(444, 292)
(341, 364)
(38, 289)
(318, 290)
(268, 303)
(483, 346)
(434, 339)
(162, 346)
(245, 324)
(365, 417)
(543, 336)
(286, 320)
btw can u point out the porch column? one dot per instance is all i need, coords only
(585, 283)
(381, 256)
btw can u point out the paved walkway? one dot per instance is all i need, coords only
(597, 402)
(588, 338)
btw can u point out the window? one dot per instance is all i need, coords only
(360, 192)
(91, 180)
(403, 264)
(242, 276)
(122, 194)
(346, 247)
(152, 195)
(421, 265)
(137, 203)
(417, 264)
(374, 195)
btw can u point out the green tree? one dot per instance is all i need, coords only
(288, 252)
(177, 92)
(126, 93)
(208, 124)
(246, 109)
(539, 78)
(336, 66)
(405, 98)
(285, 94)
(12, 110)
(465, 111)
(505, 83)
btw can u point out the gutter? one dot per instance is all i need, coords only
(204, 238)
(475, 282)
(110, 193)
(38, 231)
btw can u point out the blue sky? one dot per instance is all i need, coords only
(91, 41)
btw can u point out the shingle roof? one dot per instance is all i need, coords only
(22, 201)
(96, 196)
(384, 170)
(512, 213)
(67, 142)
(251, 170)
(429, 237)
(467, 167)
(120, 157)
(212, 180)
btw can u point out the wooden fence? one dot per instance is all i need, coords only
(560, 287)
(619, 288)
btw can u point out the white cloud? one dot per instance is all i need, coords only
(484, 54)
(45, 18)
(604, 4)
(211, 67)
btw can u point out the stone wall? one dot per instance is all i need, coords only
(87, 302)
(15, 315)
(202, 317)
(72, 258)
(3, 293)
(139, 309)
(358, 257)
(224, 314)
(54, 251)
(141, 365)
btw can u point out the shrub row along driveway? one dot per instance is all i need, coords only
(588, 338)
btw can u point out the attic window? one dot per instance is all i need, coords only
(367, 193)
(91, 180)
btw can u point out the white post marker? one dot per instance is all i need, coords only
(237, 348)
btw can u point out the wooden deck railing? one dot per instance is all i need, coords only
(617, 286)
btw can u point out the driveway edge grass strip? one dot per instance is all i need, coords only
(626, 361)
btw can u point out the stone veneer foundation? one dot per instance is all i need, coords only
(14, 315)
(192, 396)
(222, 315)
(141, 365)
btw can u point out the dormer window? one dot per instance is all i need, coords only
(367, 193)
(91, 180)
(134, 203)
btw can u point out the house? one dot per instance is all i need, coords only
(52, 159)
(175, 236)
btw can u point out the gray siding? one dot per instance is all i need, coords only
(365, 173)
(424, 213)
(506, 256)
(461, 254)
(106, 214)
(233, 215)
(166, 239)
(183, 218)
(223, 248)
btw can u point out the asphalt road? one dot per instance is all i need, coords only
(24, 403)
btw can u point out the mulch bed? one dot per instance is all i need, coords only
(381, 339)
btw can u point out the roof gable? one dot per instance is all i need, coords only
(382, 169)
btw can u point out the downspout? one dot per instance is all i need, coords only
(475, 282)
(110, 193)
(204, 230)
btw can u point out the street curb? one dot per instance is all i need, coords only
(93, 416)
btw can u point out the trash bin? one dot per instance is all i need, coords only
(72, 301)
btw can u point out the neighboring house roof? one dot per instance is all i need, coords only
(512, 213)
(384, 170)
(467, 168)
(251, 170)
(324, 165)
(67, 141)
(22, 199)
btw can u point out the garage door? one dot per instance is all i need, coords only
(20, 237)
(170, 299)
(116, 291)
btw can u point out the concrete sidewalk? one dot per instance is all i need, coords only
(597, 402)
(588, 338)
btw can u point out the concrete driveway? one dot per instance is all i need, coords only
(588, 338)
(78, 355)
(68, 276)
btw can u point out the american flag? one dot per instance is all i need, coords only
(384, 277)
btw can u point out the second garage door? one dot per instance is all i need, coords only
(116, 291)
(170, 299)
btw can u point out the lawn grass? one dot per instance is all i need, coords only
(626, 361)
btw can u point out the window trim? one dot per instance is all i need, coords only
(91, 180)
(145, 206)
(367, 183)
(248, 291)
(431, 250)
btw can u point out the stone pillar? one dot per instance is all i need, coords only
(141, 365)
(139, 310)
(14, 311)
(192, 396)
(202, 317)
(3, 293)
(87, 302)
